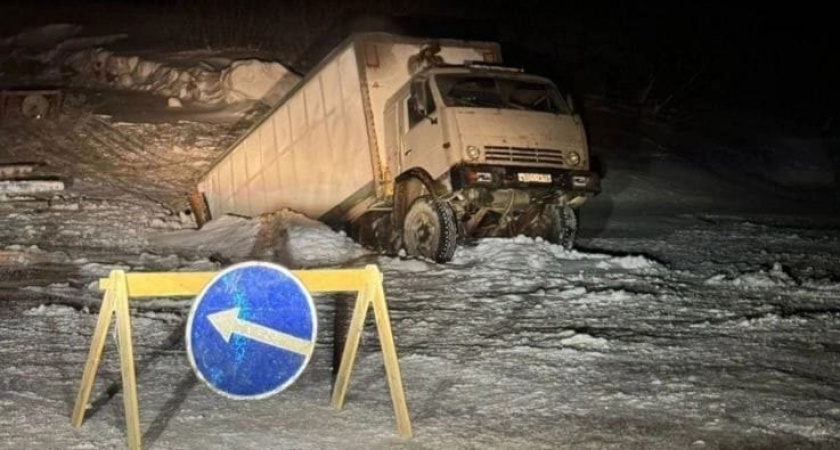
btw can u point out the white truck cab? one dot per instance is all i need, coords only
(504, 150)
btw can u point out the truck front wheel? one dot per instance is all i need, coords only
(429, 230)
(563, 225)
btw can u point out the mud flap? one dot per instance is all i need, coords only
(200, 210)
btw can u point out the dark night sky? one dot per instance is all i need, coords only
(774, 57)
(777, 59)
(776, 54)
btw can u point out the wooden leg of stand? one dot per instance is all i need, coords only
(100, 334)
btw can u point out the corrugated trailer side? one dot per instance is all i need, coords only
(309, 154)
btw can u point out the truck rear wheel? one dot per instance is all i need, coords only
(429, 230)
(563, 225)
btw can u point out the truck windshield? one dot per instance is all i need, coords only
(482, 91)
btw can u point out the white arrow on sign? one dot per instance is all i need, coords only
(228, 322)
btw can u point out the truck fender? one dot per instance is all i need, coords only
(435, 189)
(410, 185)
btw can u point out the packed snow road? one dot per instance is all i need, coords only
(516, 344)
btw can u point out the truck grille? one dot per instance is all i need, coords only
(523, 155)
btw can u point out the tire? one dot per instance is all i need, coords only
(563, 225)
(34, 106)
(430, 230)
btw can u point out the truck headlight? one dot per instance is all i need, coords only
(573, 158)
(473, 152)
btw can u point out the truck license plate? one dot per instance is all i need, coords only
(534, 177)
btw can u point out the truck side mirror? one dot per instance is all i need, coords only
(419, 96)
(420, 102)
(416, 106)
(418, 110)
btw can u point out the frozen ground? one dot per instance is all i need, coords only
(698, 313)
(514, 344)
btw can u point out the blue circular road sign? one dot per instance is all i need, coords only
(251, 331)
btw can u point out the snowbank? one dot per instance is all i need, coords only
(284, 237)
(252, 79)
(61, 45)
(243, 80)
(313, 244)
(230, 236)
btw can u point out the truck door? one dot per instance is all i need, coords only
(422, 139)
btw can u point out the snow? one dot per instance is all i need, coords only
(209, 82)
(246, 80)
(29, 187)
(585, 342)
(697, 312)
(231, 236)
(53, 310)
(775, 277)
(570, 343)
(313, 244)
(253, 79)
(628, 262)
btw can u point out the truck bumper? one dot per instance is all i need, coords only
(573, 182)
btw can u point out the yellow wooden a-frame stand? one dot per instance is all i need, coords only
(119, 287)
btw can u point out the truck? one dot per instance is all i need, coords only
(413, 144)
